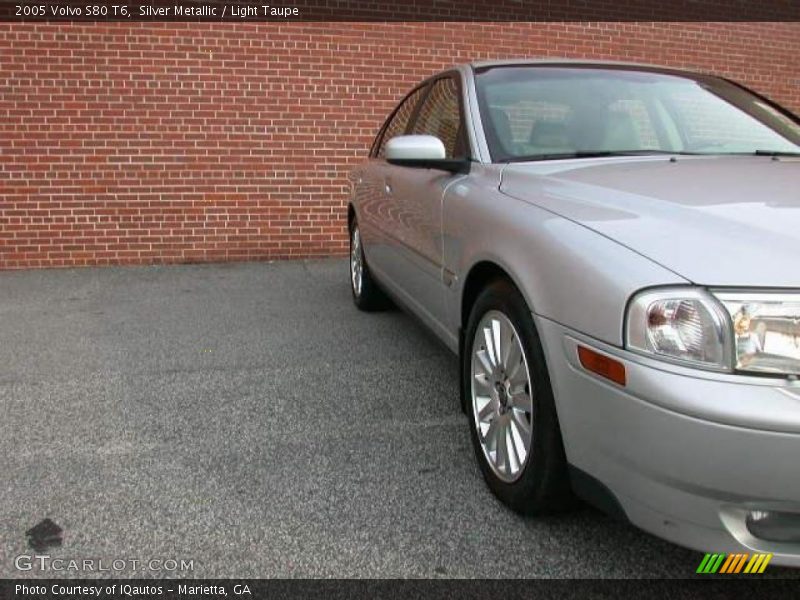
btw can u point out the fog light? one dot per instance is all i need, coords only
(774, 526)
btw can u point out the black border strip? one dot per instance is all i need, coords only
(406, 10)
(707, 587)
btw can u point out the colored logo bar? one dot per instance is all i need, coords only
(734, 563)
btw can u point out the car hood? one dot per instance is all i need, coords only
(724, 221)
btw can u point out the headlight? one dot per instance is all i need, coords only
(766, 331)
(682, 325)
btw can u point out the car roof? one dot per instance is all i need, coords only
(572, 62)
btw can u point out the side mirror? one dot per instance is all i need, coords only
(423, 152)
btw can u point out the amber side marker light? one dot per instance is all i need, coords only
(602, 365)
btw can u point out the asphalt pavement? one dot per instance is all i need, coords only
(247, 418)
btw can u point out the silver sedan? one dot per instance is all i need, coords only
(613, 251)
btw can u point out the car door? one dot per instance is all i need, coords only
(379, 220)
(414, 198)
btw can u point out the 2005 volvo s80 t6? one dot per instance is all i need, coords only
(614, 253)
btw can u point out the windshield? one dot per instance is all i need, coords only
(540, 112)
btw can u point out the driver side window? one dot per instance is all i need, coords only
(398, 122)
(440, 116)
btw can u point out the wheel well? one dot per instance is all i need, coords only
(478, 278)
(351, 215)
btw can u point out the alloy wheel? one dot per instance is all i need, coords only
(502, 404)
(356, 262)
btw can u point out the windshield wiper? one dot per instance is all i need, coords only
(592, 154)
(775, 153)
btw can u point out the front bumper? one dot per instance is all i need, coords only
(687, 454)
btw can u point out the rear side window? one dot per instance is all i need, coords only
(440, 116)
(398, 122)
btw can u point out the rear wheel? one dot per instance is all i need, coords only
(514, 427)
(366, 293)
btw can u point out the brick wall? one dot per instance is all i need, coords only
(172, 142)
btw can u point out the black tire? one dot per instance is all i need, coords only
(543, 484)
(369, 297)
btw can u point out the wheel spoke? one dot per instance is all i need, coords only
(498, 352)
(513, 360)
(487, 335)
(502, 448)
(514, 458)
(491, 434)
(518, 442)
(482, 381)
(518, 378)
(485, 363)
(508, 344)
(521, 401)
(487, 410)
(521, 423)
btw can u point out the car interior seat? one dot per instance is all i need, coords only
(551, 137)
(621, 132)
(501, 128)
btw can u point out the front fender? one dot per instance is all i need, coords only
(566, 272)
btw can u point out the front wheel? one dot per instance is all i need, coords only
(514, 426)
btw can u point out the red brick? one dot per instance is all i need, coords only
(124, 143)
